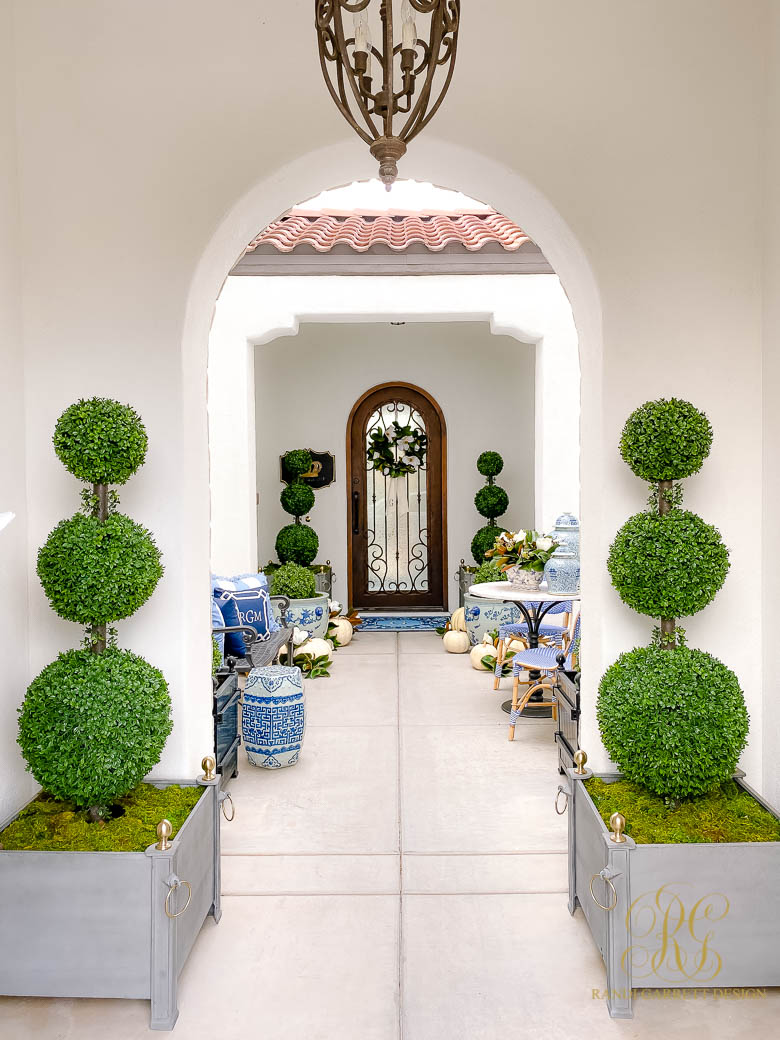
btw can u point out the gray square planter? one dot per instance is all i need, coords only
(697, 916)
(94, 924)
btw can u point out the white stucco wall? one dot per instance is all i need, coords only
(254, 311)
(148, 158)
(771, 417)
(17, 785)
(306, 388)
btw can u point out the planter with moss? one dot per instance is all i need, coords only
(307, 610)
(681, 891)
(689, 899)
(93, 906)
(118, 920)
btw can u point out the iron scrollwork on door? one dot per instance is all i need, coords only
(397, 510)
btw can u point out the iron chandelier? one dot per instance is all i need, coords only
(346, 56)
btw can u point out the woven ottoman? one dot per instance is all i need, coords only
(273, 716)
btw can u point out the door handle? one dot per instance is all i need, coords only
(356, 512)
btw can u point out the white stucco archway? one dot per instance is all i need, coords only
(452, 167)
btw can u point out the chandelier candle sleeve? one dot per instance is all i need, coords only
(416, 71)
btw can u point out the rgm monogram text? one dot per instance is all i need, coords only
(672, 942)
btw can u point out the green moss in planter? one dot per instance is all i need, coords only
(726, 814)
(61, 826)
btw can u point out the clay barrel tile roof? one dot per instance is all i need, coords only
(360, 232)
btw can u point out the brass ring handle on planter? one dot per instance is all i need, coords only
(226, 797)
(613, 904)
(561, 791)
(173, 884)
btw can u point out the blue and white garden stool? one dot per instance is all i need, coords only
(273, 717)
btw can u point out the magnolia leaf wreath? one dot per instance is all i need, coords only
(397, 451)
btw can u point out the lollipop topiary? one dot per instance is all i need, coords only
(297, 543)
(491, 502)
(673, 718)
(95, 721)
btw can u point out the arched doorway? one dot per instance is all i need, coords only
(397, 534)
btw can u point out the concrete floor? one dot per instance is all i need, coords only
(406, 879)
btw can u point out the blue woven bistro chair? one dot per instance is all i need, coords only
(518, 632)
(542, 659)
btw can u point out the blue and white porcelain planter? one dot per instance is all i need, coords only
(562, 573)
(483, 615)
(309, 614)
(273, 717)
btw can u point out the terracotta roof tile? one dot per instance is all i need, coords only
(360, 232)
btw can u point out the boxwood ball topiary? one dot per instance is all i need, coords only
(490, 463)
(95, 573)
(666, 440)
(293, 581)
(491, 501)
(297, 543)
(298, 461)
(297, 499)
(92, 725)
(100, 441)
(483, 540)
(673, 720)
(667, 566)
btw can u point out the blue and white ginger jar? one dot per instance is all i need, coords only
(567, 533)
(273, 718)
(562, 573)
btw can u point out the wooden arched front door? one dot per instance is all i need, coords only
(397, 542)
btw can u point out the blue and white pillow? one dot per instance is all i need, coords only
(249, 607)
(237, 583)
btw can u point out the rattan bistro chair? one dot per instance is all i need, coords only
(517, 632)
(547, 659)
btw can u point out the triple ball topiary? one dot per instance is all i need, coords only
(673, 718)
(297, 543)
(95, 721)
(491, 502)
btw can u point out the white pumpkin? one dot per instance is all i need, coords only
(456, 642)
(316, 648)
(458, 620)
(482, 650)
(342, 630)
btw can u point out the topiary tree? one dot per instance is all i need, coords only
(673, 718)
(294, 581)
(491, 502)
(297, 542)
(95, 721)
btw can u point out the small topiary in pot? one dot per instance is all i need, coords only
(297, 499)
(96, 572)
(293, 581)
(673, 720)
(668, 566)
(297, 543)
(483, 540)
(666, 440)
(489, 571)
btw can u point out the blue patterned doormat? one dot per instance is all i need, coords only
(402, 622)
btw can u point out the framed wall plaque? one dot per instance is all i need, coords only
(321, 474)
